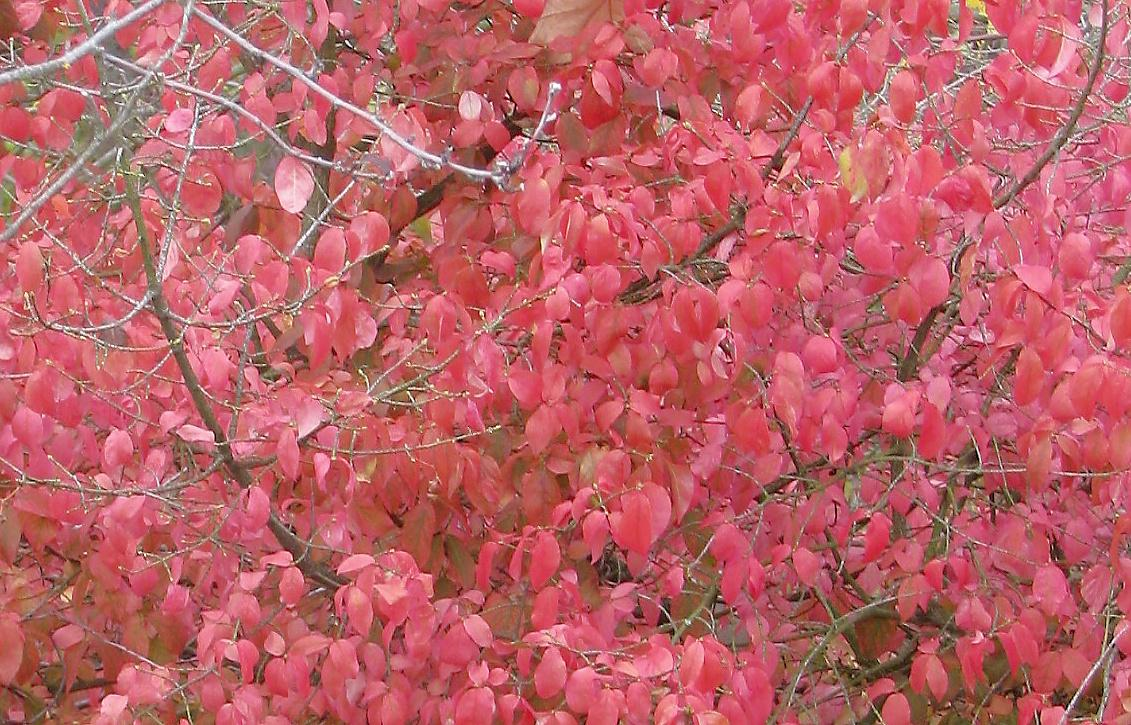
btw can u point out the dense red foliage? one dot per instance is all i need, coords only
(565, 361)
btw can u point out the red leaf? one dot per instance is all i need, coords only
(655, 68)
(39, 392)
(660, 505)
(928, 671)
(1029, 377)
(606, 709)
(819, 355)
(359, 609)
(291, 586)
(932, 433)
(931, 280)
(258, 509)
(419, 531)
(545, 558)
(896, 710)
(330, 253)
(196, 434)
(903, 95)
(68, 636)
(475, 706)
(294, 184)
(113, 707)
(529, 8)
(288, 454)
(12, 653)
(27, 425)
(1120, 321)
(533, 205)
(876, 537)
(595, 532)
(581, 690)
(899, 416)
(807, 565)
(117, 450)
(550, 675)
(355, 563)
(1038, 463)
(526, 385)
(1050, 588)
(179, 120)
(202, 194)
(1084, 389)
(1035, 277)
(29, 267)
(541, 428)
(478, 629)
(632, 527)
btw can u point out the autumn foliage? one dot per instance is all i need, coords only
(565, 361)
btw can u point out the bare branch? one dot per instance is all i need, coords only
(88, 46)
(1066, 130)
(498, 176)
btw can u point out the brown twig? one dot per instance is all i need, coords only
(290, 541)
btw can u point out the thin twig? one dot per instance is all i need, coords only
(499, 176)
(1062, 136)
(88, 46)
(289, 540)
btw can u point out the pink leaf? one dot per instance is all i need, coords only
(179, 120)
(1050, 588)
(288, 453)
(258, 509)
(68, 636)
(27, 425)
(195, 434)
(545, 558)
(476, 706)
(470, 106)
(330, 253)
(807, 565)
(1035, 277)
(526, 386)
(876, 537)
(294, 184)
(581, 689)
(117, 450)
(355, 563)
(896, 710)
(541, 428)
(29, 267)
(359, 609)
(12, 653)
(632, 527)
(931, 280)
(113, 706)
(478, 629)
(291, 586)
(550, 675)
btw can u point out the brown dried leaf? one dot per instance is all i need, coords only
(570, 17)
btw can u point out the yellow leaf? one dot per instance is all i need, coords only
(851, 177)
(978, 8)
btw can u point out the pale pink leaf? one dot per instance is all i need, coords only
(550, 675)
(294, 184)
